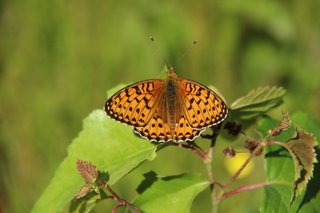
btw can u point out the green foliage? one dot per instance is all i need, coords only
(117, 151)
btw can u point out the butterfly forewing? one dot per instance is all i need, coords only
(202, 107)
(134, 105)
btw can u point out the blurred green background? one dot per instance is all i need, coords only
(58, 58)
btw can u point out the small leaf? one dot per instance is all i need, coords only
(87, 203)
(283, 126)
(87, 171)
(83, 191)
(303, 154)
(257, 102)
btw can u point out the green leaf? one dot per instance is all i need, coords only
(170, 194)
(302, 152)
(111, 146)
(257, 102)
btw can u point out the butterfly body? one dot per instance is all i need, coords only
(171, 102)
(167, 109)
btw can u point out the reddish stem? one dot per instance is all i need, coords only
(116, 208)
(245, 188)
(198, 151)
(217, 183)
(274, 142)
(120, 200)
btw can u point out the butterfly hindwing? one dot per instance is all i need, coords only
(201, 106)
(184, 132)
(157, 130)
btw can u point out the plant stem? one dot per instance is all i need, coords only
(120, 200)
(261, 145)
(214, 203)
(254, 186)
(209, 165)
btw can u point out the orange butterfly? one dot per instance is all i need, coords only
(167, 109)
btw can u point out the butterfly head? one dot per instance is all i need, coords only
(171, 72)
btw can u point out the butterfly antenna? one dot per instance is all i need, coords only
(194, 42)
(154, 43)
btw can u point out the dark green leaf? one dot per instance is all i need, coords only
(276, 198)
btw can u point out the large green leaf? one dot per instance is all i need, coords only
(111, 146)
(170, 194)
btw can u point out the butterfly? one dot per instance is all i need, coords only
(167, 109)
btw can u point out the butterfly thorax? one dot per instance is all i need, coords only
(170, 108)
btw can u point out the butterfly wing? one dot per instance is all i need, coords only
(201, 106)
(157, 130)
(184, 132)
(135, 104)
